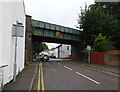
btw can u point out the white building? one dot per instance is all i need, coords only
(64, 51)
(55, 53)
(10, 12)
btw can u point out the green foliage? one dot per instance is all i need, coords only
(38, 47)
(43, 46)
(100, 18)
(102, 44)
(99, 43)
(27, 63)
(113, 9)
(109, 45)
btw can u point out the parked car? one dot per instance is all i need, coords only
(68, 57)
(40, 57)
(37, 58)
(46, 58)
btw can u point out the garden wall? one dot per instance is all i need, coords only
(106, 58)
(112, 58)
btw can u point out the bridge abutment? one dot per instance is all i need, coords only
(28, 39)
(75, 51)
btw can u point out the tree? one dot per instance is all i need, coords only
(38, 47)
(43, 46)
(97, 19)
(99, 43)
(102, 44)
(113, 9)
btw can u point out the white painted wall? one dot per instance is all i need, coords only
(56, 52)
(0, 35)
(64, 51)
(11, 12)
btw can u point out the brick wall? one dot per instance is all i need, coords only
(112, 59)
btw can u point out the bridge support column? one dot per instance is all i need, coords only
(75, 52)
(28, 39)
(58, 52)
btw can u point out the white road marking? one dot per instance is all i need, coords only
(87, 78)
(53, 70)
(59, 63)
(67, 67)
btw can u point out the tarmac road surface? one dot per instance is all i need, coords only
(63, 75)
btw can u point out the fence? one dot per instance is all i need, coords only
(105, 58)
(97, 57)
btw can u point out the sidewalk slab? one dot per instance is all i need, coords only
(23, 80)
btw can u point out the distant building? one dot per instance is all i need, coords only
(64, 50)
(56, 52)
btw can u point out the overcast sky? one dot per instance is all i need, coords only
(61, 12)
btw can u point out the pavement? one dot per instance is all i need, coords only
(25, 78)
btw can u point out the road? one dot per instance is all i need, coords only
(65, 75)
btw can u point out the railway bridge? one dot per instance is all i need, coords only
(46, 32)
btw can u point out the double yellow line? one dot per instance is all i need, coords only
(40, 78)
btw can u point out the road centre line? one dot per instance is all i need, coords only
(81, 74)
(87, 78)
(59, 63)
(67, 67)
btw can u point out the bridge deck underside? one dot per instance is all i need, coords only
(54, 34)
(53, 40)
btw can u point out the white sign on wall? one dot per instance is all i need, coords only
(18, 31)
(88, 47)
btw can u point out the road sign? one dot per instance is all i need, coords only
(19, 32)
(88, 47)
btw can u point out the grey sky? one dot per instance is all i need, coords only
(61, 12)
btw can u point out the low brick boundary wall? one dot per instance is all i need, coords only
(112, 59)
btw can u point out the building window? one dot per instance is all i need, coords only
(67, 47)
